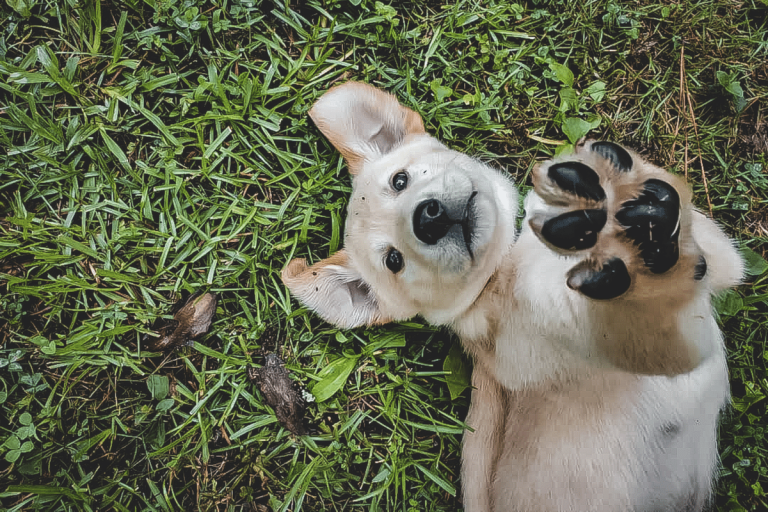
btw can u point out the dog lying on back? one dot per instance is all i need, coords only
(599, 370)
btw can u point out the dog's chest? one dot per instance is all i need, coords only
(613, 440)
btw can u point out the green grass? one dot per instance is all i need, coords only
(154, 148)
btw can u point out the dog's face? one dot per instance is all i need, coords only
(426, 226)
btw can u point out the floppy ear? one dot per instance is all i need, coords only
(363, 122)
(334, 290)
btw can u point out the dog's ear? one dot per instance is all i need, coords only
(363, 122)
(334, 290)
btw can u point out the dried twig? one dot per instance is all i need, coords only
(687, 104)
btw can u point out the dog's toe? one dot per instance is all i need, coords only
(617, 155)
(607, 282)
(577, 178)
(574, 230)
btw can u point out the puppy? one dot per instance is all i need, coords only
(599, 370)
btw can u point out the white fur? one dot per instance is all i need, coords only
(577, 404)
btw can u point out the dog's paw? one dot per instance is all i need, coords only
(629, 218)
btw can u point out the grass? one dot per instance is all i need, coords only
(152, 149)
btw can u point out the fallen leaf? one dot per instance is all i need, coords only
(192, 318)
(281, 393)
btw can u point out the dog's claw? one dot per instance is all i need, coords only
(700, 270)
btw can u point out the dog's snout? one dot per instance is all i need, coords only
(430, 221)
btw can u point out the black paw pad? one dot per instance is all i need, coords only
(574, 230)
(700, 270)
(659, 256)
(577, 178)
(652, 221)
(615, 154)
(607, 283)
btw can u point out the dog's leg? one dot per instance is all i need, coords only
(481, 448)
(639, 251)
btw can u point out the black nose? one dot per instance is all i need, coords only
(431, 222)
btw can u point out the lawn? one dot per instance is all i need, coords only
(150, 149)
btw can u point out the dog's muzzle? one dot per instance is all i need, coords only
(431, 222)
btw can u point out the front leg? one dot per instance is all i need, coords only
(481, 448)
(629, 227)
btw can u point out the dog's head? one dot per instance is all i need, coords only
(426, 226)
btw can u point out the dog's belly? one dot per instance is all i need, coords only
(615, 441)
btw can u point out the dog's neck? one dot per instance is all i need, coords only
(480, 319)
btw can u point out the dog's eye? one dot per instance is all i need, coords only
(394, 261)
(400, 181)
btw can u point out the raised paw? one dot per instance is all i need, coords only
(626, 217)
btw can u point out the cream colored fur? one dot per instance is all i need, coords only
(578, 404)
